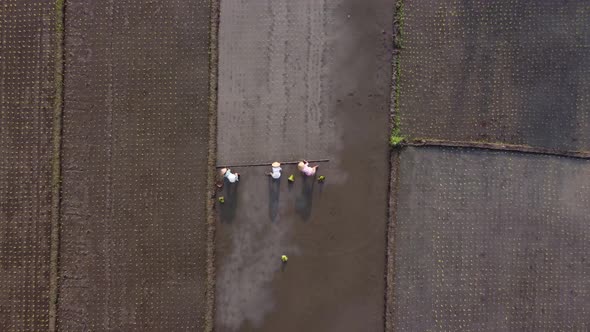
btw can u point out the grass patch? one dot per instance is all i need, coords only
(398, 22)
(396, 139)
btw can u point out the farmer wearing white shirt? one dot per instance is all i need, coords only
(231, 177)
(276, 170)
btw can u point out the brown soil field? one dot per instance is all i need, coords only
(482, 239)
(27, 92)
(497, 71)
(493, 241)
(135, 151)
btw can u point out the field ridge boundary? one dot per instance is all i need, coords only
(56, 164)
(498, 146)
(211, 163)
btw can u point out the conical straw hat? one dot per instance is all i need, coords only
(301, 165)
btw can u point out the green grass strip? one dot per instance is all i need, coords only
(397, 138)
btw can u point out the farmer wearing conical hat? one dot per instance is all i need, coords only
(276, 170)
(229, 175)
(304, 167)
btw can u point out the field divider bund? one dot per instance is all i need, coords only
(212, 160)
(497, 147)
(56, 163)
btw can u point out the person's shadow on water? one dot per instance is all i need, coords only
(274, 192)
(229, 208)
(304, 201)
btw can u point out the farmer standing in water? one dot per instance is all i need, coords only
(304, 167)
(226, 173)
(276, 170)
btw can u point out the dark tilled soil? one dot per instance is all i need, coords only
(317, 73)
(135, 139)
(508, 71)
(27, 89)
(493, 241)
